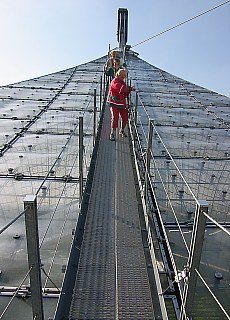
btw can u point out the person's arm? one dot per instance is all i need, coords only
(128, 89)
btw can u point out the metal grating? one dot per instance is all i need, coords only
(112, 280)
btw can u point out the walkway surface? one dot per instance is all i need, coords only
(112, 280)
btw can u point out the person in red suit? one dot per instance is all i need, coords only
(118, 92)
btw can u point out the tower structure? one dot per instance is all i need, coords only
(122, 30)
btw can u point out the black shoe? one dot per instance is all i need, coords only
(111, 137)
(123, 134)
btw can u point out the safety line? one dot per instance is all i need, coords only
(15, 219)
(171, 205)
(212, 294)
(14, 295)
(116, 301)
(60, 236)
(203, 106)
(217, 224)
(169, 154)
(179, 24)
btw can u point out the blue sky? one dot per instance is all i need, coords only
(45, 36)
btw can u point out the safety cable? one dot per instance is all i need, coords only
(60, 236)
(158, 209)
(171, 157)
(171, 205)
(14, 295)
(167, 195)
(48, 277)
(204, 107)
(56, 207)
(212, 294)
(169, 154)
(217, 224)
(179, 24)
(63, 226)
(72, 134)
(183, 307)
(14, 220)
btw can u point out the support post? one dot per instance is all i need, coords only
(135, 109)
(94, 115)
(148, 159)
(149, 146)
(104, 85)
(195, 254)
(100, 107)
(81, 149)
(31, 222)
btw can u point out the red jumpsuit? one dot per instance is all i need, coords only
(118, 92)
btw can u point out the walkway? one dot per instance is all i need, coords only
(112, 280)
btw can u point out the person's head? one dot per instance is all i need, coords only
(113, 54)
(121, 74)
(116, 63)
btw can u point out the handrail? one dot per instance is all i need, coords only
(143, 156)
(164, 236)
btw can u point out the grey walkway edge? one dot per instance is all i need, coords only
(112, 280)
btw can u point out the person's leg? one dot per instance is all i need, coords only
(124, 121)
(114, 121)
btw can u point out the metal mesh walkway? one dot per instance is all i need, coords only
(112, 280)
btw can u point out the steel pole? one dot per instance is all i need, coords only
(135, 109)
(149, 146)
(94, 115)
(32, 237)
(148, 159)
(81, 157)
(195, 254)
(100, 107)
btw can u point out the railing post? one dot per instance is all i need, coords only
(148, 159)
(94, 115)
(195, 254)
(149, 146)
(135, 109)
(81, 149)
(100, 107)
(31, 222)
(104, 85)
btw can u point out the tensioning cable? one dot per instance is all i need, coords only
(179, 24)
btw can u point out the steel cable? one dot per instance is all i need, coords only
(170, 156)
(179, 24)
